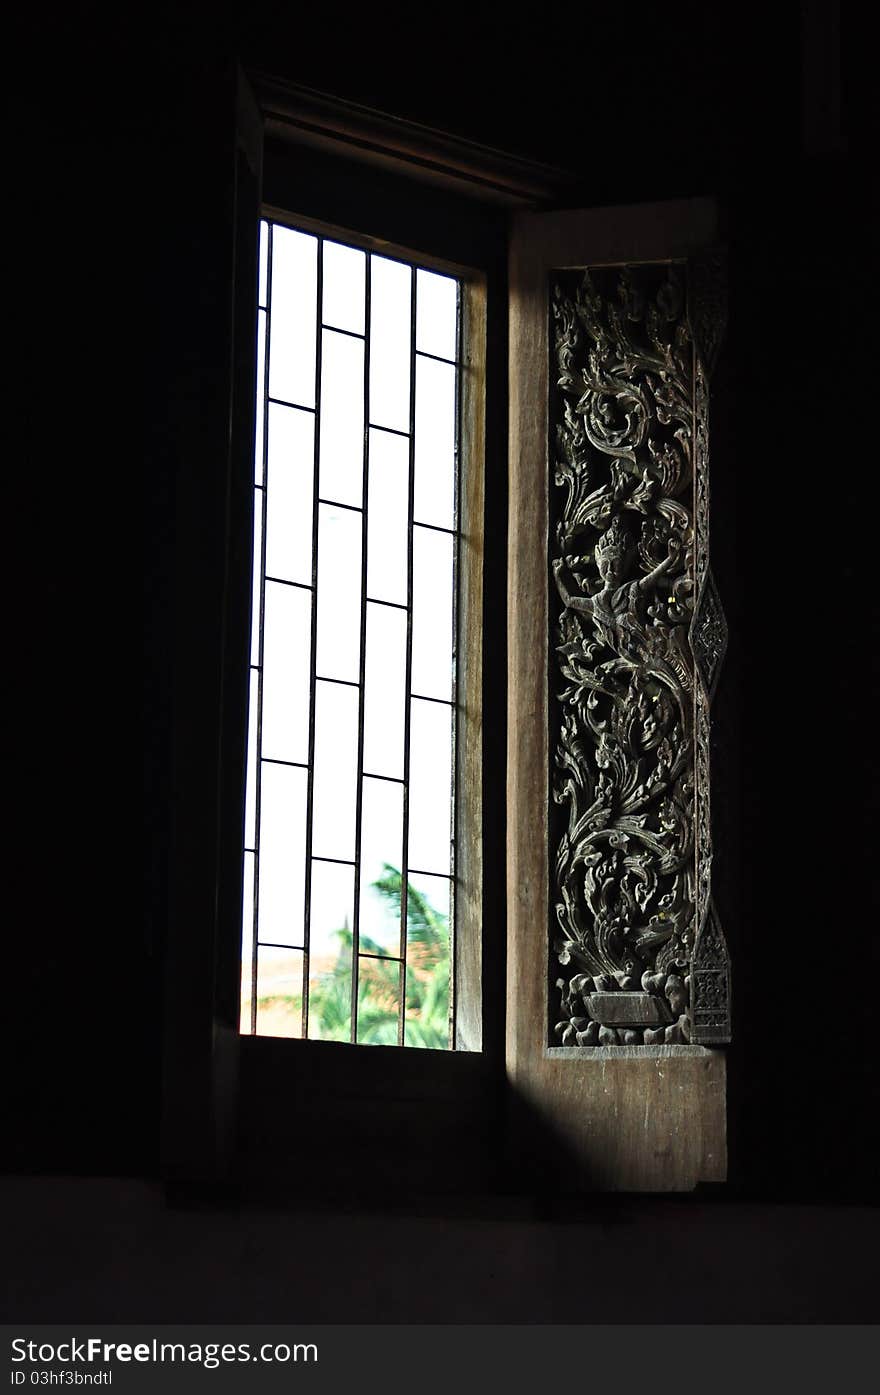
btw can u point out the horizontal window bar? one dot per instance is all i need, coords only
(392, 779)
(273, 760)
(395, 605)
(382, 958)
(444, 702)
(297, 406)
(434, 527)
(352, 333)
(392, 430)
(438, 358)
(346, 682)
(280, 581)
(419, 872)
(271, 944)
(335, 504)
(340, 861)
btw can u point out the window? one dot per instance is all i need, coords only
(349, 860)
(309, 1112)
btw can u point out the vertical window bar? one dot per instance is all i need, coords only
(258, 619)
(404, 868)
(456, 649)
(359, 788)
(316, 459)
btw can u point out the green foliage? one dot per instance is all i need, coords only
(426, 1015)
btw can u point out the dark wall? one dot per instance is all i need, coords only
(680, 100)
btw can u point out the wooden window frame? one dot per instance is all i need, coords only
(315, 1116)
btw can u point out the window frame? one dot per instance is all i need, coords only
(405, 1117)
(466, 940)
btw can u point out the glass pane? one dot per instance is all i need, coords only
(247, 941)
(387, 525)
(384, 691)
(436, 313)
(432, 642)
(342, 419)
(430, 790)
(289, 494)
(257, 575)
(279, 993)
(335, 786)
(390, 319)
(339, 593)
(282, 862)
(378, 1001)
(286, 645)
(381, 860)
(250, 799)
(344, 275)
(293, 307)
(426, 1020)
(261, 396)
(434, 499)
(330, 952)
(264, 259)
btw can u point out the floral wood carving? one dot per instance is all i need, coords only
(629, 415)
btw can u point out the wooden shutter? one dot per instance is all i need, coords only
(218, 235)
(618, 976)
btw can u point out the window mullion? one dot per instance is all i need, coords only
(264, 494)
(359, 789)
(316, 460)
(404, 857)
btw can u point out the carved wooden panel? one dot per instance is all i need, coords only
(637, 640)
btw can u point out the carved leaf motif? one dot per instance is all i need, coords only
(708, 634)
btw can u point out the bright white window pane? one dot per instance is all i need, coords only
(264, 260)
(436, 313)
(261, 397)
(330, 951)
(434, 500)
(282, 862)
(344, 277)
(336, 733)
(289, 494)
(432, 613)
(342, 419)
(390, 320)
(430, 791)
(247, 940)
(332, 911)
(279, 993)
(386, 532)
(339, 593)
(250, 802)
(381, 850)
(384, 690)
(257, 574)
(286, 644)
(293, 308)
